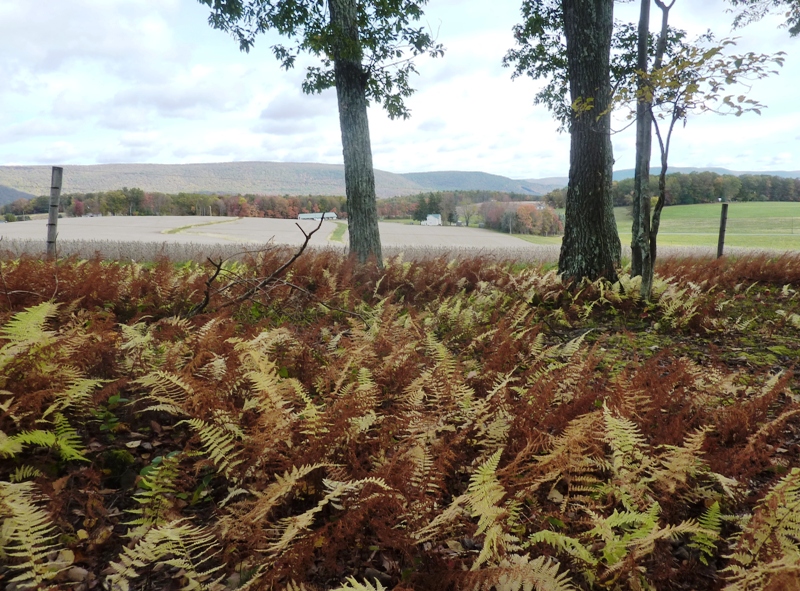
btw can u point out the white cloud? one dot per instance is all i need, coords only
(88, 81)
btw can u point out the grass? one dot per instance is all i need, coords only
(190, 226)
(758, 225)
(750, 225)
(338, 234)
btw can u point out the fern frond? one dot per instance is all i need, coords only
(680, 463)
(140, 347)
(435, 528)
(352, 584)
(282, 486)
(629, 459)
(626, 442)
(311, 414)
(25, 330)
(9, 446)
(65, 440)
(218, 443)
(520, 573)
(565, 544)
(780, 575)
(483, 497)
(27, 536)
(177, 544)
(24, 472)
(485, 492)
(774, 530)
(710, 520)
(167, 390)
(28, 326)
(292, 527)
(156, 497)
(78, 394)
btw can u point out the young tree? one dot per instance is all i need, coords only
(641, 261)
(568, 42)
(366, 49)
(693, 79)
(467, 210)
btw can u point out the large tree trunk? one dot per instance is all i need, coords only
(359, 176)
(591, 246)
(640, 232)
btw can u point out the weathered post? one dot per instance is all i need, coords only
(723, 221)
(52, 219)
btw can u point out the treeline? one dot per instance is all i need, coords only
(137, 202)
(450, 204)
(514, 213)
(703, 187)
(521, 218)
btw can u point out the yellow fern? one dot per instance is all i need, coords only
(292, 527)
(772, 536)
(219, 444)
(178, 544)
(25, 333)
(27, 537)
(169, 392)
(282, 486)
(64, 439)
(520, 573)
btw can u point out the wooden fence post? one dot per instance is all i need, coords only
(723, 221)
(52, 219)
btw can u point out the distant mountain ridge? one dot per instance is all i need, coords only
(456, 180)
(7, 194)
(276, 178)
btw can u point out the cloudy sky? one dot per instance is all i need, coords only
(106, 81)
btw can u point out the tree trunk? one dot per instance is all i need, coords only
(359, 175)
(650, 232)
(591, 246)
(640, 232)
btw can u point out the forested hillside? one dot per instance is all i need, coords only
(704, 187)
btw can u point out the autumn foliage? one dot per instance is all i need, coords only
(465, 424)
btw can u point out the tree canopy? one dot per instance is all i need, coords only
(753, 10)
(388, 40)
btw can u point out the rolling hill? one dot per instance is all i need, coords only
(7, 194)
(472, 181)
(274, 178)
(266, 178)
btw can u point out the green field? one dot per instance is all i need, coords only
(750, 225)
(754, 225)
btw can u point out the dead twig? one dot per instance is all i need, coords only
(255, 285)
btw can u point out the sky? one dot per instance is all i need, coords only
(113, 81)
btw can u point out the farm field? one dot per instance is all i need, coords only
(759, 225)
(434, 425)
(178, 229)
(216, 230)
(195, 237)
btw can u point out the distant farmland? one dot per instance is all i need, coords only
(688, 229)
